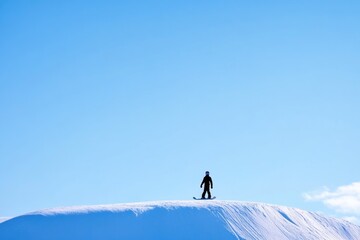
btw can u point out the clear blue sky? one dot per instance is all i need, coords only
(121, 101)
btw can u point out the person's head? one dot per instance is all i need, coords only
(207, 173)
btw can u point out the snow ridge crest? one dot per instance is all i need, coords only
(178, 220)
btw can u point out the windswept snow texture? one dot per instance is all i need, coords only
(220, 220)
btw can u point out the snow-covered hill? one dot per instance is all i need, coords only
(171, 220)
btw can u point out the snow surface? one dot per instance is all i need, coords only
(3, 219)
(220, 220)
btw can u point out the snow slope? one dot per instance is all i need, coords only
(171, 220)
(3, 219)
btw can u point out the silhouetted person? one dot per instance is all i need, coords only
(207, 181)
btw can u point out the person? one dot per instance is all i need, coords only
(207, 182)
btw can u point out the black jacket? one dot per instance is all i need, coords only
(207, 181)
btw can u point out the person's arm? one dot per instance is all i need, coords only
(211, 183)
(203, 181)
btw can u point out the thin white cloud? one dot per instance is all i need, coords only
(345, 199)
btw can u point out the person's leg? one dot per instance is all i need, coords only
(209, 194)
(203, 194)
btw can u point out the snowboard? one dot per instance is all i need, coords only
(204, 198)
